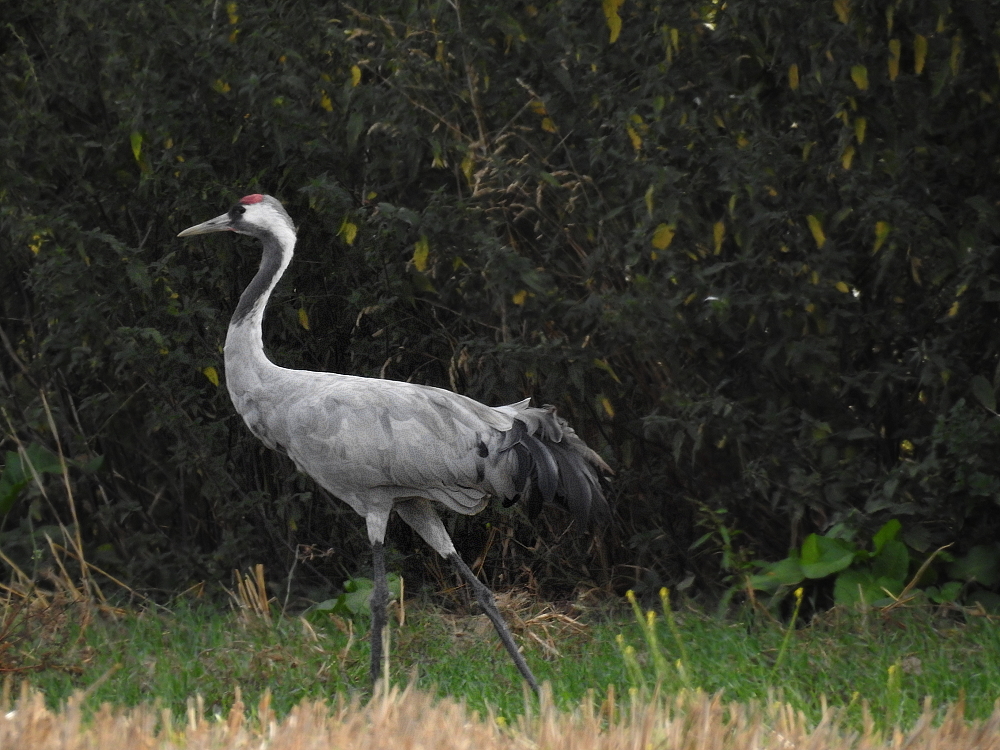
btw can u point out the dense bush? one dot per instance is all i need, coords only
(748, 249)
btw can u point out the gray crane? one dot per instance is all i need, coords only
(384, 445)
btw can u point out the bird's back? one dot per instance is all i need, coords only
(365, 439)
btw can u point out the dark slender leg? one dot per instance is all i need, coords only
(485, 598)
(379, 602)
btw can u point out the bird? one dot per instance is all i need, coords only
(384, 445)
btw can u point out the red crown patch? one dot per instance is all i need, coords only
(248, 199)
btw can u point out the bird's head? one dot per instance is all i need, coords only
(257, 215)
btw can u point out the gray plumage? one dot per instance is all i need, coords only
(384, 445)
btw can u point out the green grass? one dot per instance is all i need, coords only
(890, 662)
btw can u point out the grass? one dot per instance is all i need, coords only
(865, 663)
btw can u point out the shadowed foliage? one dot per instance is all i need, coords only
(748, 250)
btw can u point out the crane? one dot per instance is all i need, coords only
(386, 445)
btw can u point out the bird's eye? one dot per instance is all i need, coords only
(240, 210)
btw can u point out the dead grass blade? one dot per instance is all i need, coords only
(396, 719)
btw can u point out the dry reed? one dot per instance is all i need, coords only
(409, 719)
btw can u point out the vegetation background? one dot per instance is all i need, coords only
(749, 249)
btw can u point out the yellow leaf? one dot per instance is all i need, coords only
(518, 298)
(817, 230)
(847, 157)
(221, 86)
(603, 364)
(842, 287)
(649, 201)
(549, 126)
(303, 318)
(421, 252)
(895, 50)
(538, 107)
(953, 310)
(634, 137)
(919, 53)
(355, 75)
(859, 74)
(326, 103)
(467, 166)
(882, 229)
(860, 126)
(212, 374)
(348, 230)
(135, 139)
(662, 237)
(956, 53)
(231, 9)
(614, 20)
(718, 235)
(843, 10)
(793, 77)
(606, 405)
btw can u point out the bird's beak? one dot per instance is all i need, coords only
(218, 224)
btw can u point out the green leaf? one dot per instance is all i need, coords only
(785, 572)
(980, 564)
(890, 530)
(982, 389)
(893, 562)
(859, 585)
(823, 556)
(17, 472)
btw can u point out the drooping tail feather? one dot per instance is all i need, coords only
(555, 464)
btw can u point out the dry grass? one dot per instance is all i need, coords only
(410, 719)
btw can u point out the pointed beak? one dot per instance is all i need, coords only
(218, 224)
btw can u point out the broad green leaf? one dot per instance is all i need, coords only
(893, 562)
(856, 585)
(980, 564)
(823, 556)
(889, 531)
(787, 572)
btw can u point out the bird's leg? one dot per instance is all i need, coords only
(379, 602)
(485, 598)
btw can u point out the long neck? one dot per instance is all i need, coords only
(245, 327)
